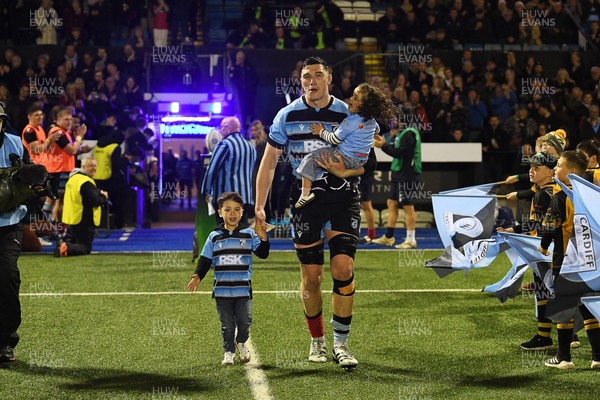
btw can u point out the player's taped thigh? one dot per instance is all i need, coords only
(342, 244)
(311, 255)
(344, 288)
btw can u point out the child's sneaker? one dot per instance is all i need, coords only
(243, 352)
(575, 343)
(595, 364)
(228, 358)
(304, 200)
(407, 244)
(556, 362)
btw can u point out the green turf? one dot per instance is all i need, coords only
(429, 345)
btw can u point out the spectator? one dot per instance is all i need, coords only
(510, 79)
(100, 22)
(454, 27)
(185, 166)
(593, 83)
(346, 89)
(258, 11)
(479, 28)
(388, 28)
(281, 40)
(521, 128)
(440, 115)
(75, 19)
(139, 40)
(251, 38)
(46, 21)
(412, 30)
(17, 108)
(436, 69)
(562, 84)
(495, 146)
(503, 102)
(590, 128)
(331, 18)
(564, 30)
(477, 113)
(245, 80)
(133, 94)
(81, 210)
(546, 117)
(160, 9)
(441, 42)
(130, 64)
(508, 28)
(595, 33)
(576, 69)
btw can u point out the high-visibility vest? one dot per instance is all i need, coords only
(73, 202)
(103, 157)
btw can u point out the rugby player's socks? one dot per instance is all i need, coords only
(565, 336)
(372, 233)
(411, 236)
(305, 191)
(341, 329)
(315, 325)
(544, 324)
(47, 210)
(389, 233)
(592, 328)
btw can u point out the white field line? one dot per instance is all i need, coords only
(256, 376)
(88, 294)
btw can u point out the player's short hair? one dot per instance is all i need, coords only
(576, 160)
(233, 196)
(314, 61)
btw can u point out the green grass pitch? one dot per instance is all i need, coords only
(422, 344)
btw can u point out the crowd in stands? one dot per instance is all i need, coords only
(504, 102)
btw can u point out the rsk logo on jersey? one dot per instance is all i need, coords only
(230, 260)
(465, 225)
(243, 243)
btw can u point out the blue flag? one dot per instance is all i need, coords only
(461, 219)
(479, 190)
(475, 254)
(593, 304)
(508, 287)
(580, 272)
(527, 248)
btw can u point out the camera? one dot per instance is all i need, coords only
(34, 176)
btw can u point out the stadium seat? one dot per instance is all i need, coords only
(399, 223)
(379, 14)
(492, 47)
(346, 10)
(458, 47)
(512, 47)
(368, 44)
(392, 48)
(340, 4)
(424, 219)
(361, 5)
(473, 46)
(550, 47)
(351, 43)
(376, 217)
(365, 16)
(350, 16)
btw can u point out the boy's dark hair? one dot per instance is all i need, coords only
(375, 105)
(575, 159)
(34, 108)
(591, 147)
(230, 196)
(315, 60)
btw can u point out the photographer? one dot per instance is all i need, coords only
(81, 210)
(11, 233)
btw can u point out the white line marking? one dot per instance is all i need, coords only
(256, 376)
(84, 294)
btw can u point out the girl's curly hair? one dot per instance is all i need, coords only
(376, 105)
